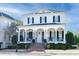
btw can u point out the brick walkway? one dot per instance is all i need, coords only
(36, 47)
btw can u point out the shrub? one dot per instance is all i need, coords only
(55, 46)
(11, 47)
(70, 38)
(68, 46)
(48, 46)
(22, 46)
(60, 46)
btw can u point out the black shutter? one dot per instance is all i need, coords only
(28, 20)
(32, 20)
(57, 35)
(62, 34)
(45, 19)
(58, 18)
(40, 19)
(53, 18)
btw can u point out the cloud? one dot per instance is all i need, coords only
(10, 10)
(14, 12)
(73, 18)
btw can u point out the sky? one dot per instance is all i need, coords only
(16, 10)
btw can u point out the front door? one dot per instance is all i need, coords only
(40, 37)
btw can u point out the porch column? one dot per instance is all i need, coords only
(25, 36)
(56, 37)
(46, 35)
(35, 35)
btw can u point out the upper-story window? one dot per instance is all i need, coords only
(58, 18)
(45, 19)
(53, 18)
(40, 19)
(32, 20)
(28, 20)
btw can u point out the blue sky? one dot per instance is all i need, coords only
(17, 9)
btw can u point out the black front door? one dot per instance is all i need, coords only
(42, 35)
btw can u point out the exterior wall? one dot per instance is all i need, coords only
(4, 24)
(3, 39)
(48, 15)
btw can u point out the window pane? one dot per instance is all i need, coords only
(22, 35)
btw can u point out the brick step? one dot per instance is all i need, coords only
(36, 47)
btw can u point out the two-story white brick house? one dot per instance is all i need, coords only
(46, 25)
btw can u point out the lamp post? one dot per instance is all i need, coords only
(16, 41)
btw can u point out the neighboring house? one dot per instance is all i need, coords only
(5, 23)
(46, 25)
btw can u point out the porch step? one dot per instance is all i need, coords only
(37, 47)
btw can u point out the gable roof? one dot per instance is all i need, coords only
(6, 15)
(41, 11)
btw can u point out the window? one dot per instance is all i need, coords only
(60, 35)
(58, 18)
(45, 19)
(50, 38)
(53, 18)
(32, 20)
(30, 35)
(40, 19)
(28, 20)
(22, 35)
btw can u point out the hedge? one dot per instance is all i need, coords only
(58, 46)
(20, 46)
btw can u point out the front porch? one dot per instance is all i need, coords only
(41, 34)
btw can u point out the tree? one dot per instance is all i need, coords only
(14, 41)
(19, 22)
(70, 38)
(11, 31)
(77, 38)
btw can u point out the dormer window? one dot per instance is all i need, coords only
(28, 20)
(58, 18)
(32, 20)
(45, 19)
(40, 19)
